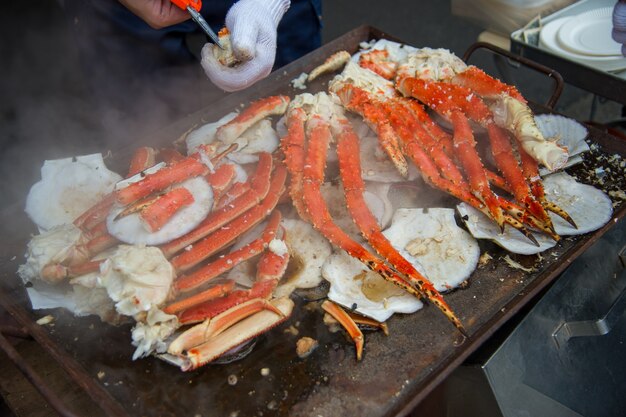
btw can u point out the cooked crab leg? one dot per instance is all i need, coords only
(291, 146)
(350, 169)
(227, 262)
(259, 187)
(531, 171)
(216, 291)
(485, 85)
(227, 234)
(333, 63)
(221, 179)
(378, 61)
(201, 333)
(369, 322)
(269, 106)
(436, 96)
(238, 334)
(358, 101)
(143, 158)
(346, 321)
(313, 177)
(161, 179)
(270, 269)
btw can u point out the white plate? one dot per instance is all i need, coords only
(589, 33)
(548, 41)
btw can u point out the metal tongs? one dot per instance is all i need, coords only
(193, 7)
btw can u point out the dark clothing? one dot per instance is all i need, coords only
(129, 65)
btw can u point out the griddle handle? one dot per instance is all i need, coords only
(31, 375)
(554, 75)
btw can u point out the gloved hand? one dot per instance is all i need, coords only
(156, 13)
(252, 25)
(619, 24)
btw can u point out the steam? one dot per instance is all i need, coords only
(54, 106)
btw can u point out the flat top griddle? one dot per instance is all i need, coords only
(397, 371)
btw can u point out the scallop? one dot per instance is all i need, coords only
(131, 229)
(357, 288)
(68, 187)
(206, 134)
(588, 206)
(431, 240)
(260, 137)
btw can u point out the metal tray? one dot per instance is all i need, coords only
(591, 79)
(396, 373)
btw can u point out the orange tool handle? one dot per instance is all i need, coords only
(183, 4)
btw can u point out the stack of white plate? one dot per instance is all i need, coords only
(585, 38)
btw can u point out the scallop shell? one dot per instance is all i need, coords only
(482, 227)
(567, 132)
(357, 288)
(431, 240)
(589, 207)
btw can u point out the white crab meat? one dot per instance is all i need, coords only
(431, 240)
(588, 206)
(136, 278)
(131, 229)
(357, 288)
(55, 246)
(515, 116)
(150, 334)
(68, 187)
(431, 64)
(398, 52)
(364, 79)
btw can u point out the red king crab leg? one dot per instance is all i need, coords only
(143, 158)
(430, 159)
(350, 169)
(313, 176)
(291, 146)
(436, 96)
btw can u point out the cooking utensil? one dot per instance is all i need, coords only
(193, 7)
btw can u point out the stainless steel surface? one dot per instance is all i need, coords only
(197, 17)
(530, 375)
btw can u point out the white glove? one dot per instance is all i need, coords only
(252, 25)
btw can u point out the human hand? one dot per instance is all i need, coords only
(156, 13)
(619, 24)
(252, 25)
